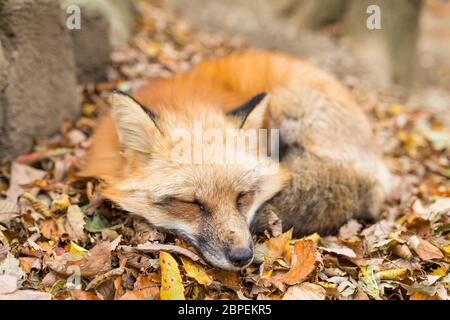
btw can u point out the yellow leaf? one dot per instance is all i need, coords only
(88, 109)
(446, 250)
(38, 205)
(60, 205)
(395, 109)
(77, 250)
(278, 246)
(391, 274)
(196, 292)
(196, 271)
(441, 271)
(315, 237)
(266, 274)
(368, 282)
(328, 285)
(421, 296)
(171, 283)
(153, 48)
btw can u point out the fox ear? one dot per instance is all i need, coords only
(253, 113)
(135, 125)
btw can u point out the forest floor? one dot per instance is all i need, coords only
(60, 240)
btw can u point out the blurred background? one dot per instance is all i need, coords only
(54, 51)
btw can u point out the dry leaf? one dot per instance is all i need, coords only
(11, 266)
(38, 205)
(26, 295)
(339, 250)
(49, 229)
(278, 247)
(303, 262)
(29, 263)
(21, 175)
(424, 249)
(96, 261)
(315, 237)
(171, 283)
(75, 223)
(144, 289)
(60, 205)
(368, 282)
(228, 279)
(305, 291)
(350, 229)
(391, 274)
(8, 284)
(196, 271)
(83, 295)
(421, 296)
(8, 210)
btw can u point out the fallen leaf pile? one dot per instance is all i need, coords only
(59, 239)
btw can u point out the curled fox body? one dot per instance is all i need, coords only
(329, 169)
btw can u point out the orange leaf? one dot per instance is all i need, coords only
(149, 293)
(424, 249)
(279, 246)
(303, 263)
(421, 296)
(83, 295)
(49, 229)
(144, 289)
(228, 279)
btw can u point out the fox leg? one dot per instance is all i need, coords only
(321, 196)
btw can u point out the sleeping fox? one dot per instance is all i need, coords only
(323, 167)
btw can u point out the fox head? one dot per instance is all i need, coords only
(169, 178)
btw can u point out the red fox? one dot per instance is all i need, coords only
(329, 169)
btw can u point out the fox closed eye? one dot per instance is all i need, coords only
(244, 201)
(180, 206)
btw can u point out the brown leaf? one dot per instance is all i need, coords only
(144, 289)
(28, 263)
(303, 262)
(93, 263)
(228, 279)
(278, 246)
(75, 223)
(83, 295)
(21, 175)
(350, 229)
(339, 250)
(424, 249)
(8, 210)
(26, 295)
(98, 260)
(305, 291)
(49, 229)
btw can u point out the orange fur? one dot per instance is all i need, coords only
(334, 165)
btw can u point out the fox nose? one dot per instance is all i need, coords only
(240, 256)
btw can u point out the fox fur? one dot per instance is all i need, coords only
(331, 170)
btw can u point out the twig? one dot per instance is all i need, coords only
(156, 247)
(32, 157)
(103, 277)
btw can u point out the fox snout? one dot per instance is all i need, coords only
(241, 257)
(226, 244)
